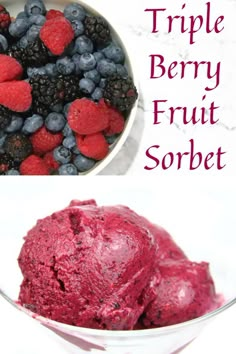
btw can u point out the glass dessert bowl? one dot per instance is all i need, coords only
(113, 141)
(163, 340)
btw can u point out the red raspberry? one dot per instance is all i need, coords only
(116, 119)
(85, 117)
(57, 34)
(10, 68)
(43, 141)
(53, 14)
(34, 166)
(51, 163)
(94, 146)
(5, 20)
(3, 167)
(16, 95)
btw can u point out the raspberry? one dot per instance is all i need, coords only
(94, 146)
(53, 14)
(34, 166)
(57, 34)
(5, 20)
(16, 95)
(51, 163)
(85, 117)
(116, 119)
(10, 68)
(43, 141)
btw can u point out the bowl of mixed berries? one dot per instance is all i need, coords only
(68, 96)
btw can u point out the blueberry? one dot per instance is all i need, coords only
(31, 72)
(23, 42)
(67, 131)
(121, 70)
(83, 163)
(32, 124)
(98, 56)
(19, 27)
(75, 150)
(114, 53)
(65, 66)
(2, 139)
(51, 69)
(35, 7)
(16, 124)
(68, 170)
(87, 62)
(111, 139)
(38, 20)
(3, 44)
(62, 155)
(55, 122)
(65, 111)
(97, 94)
(12, 173)
(87, 86)
(58, 108)
(102, 83)
(33, 33)
(69, 142)
(78, 27)
(93, 75)
(106, 67)
(76, 59)
(74, 11)
(83, 45)
(21, 14)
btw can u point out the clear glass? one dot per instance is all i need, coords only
(200, 214)
(16, 6)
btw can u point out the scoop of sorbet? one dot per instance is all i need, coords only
(89, 266)
(186, 291)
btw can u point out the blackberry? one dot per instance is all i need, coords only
(97, 29)
(18, 147)
(70, 87)
(5, 117)
(18, 53)
(47, 92)
(120, 92)
(6, 163)
(5, 21)
(34, 55)
(44, 93)
(40, 108)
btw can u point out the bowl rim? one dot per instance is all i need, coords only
(116, 334)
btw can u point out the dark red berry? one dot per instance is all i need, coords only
(5, 20)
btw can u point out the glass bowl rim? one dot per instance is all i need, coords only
(115, 334)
